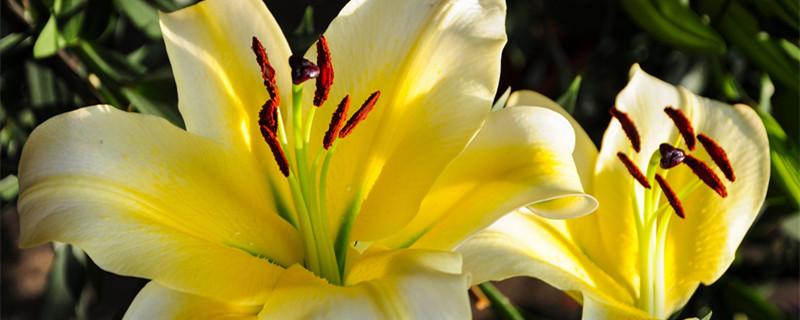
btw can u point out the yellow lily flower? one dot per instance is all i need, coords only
(631, 259)
(260, 209)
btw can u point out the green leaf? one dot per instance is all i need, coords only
(784, 159)
(9, 187)
(44, 88)
(142, 15)
(708, 316)
(47, 43)
(70, 19)
(97, 18)
(11, 41)
(570, 97)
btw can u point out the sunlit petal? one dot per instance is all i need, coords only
(421, 55)
(399, 284)
(585, 153)
(147, 199)
(523, 244)
(155, 301)
(522, 156)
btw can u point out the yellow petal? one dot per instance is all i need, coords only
(422, 56)
(147, 199)
(220, 89)
(398, 284)
(155, 301)
(585, 154)
(521, 156)
(524, 244)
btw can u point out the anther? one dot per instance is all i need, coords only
(718, 155)
(683, 124)
(670, 156)
(302, 69)
(277, 152)
(671, 197)
(336, 122)
(360, 115)
(633, 170)
(268, 116)
(267, 72)
(627, 127)
(325, 79)
(702, 171)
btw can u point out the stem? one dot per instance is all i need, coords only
(500, 303)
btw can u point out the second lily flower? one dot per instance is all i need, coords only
(680, 178)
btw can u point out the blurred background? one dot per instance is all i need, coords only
(60, 55)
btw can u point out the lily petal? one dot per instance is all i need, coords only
(433, 99)
(397, 284)
(155, 301)
(220, 89)
(521, 156)
(585, 154)
(535, 246)
(125, 187)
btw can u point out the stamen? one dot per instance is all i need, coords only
(302, 69)
(671, 197)
(268, 116)
(633, 170)
(360, 115)
(670, 156)
(718, 155)
(683, 124)
(627, 127)
(267, 72)
(325, 79)
(336, 122)
(702, 171)
(277, 152)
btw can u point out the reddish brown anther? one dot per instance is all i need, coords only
(627, 127)
(268, 116)
(360, 115)
(267, 72)
(277, 152)
(683, 124)
(633, 170)
(325, 79)
(718, 155)
(336, 122)
(704, 172)
(671, 197)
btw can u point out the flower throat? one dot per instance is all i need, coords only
(307, 177)
(653, 218)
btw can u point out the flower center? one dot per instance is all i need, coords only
(652, 217)
(306, 176)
